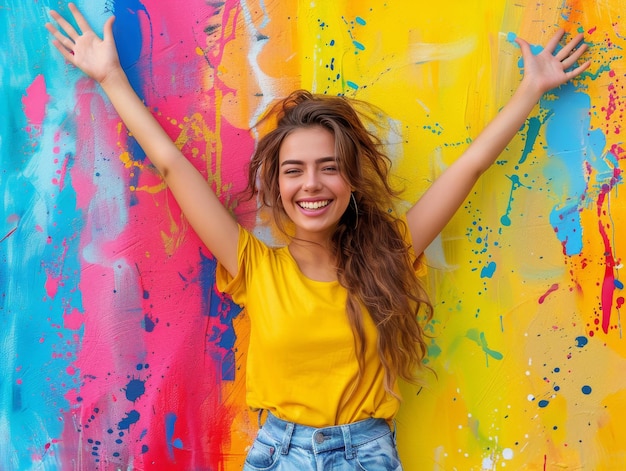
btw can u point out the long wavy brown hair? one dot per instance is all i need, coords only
(372, 256)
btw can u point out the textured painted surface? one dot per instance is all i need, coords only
(118, 353)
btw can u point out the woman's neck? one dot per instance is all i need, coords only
(315, 261)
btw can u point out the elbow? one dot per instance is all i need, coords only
(168, 162)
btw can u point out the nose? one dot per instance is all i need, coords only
(312, 181)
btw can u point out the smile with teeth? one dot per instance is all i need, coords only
(313, 204)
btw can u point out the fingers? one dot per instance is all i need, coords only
(64, 25)
(66, 53)
(566, 51)
(554, 41)
(61, 42)
(108, 27)
(569, 54)
(573, 56)
(524, 46)
(80, 19)
(578, 70)
(65, 36)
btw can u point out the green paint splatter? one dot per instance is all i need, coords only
(481, 341)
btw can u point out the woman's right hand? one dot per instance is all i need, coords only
(96, 57)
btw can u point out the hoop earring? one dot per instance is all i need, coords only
(356, 210)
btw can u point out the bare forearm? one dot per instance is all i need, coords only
(139, 120)
(449, 191)
(490, 143)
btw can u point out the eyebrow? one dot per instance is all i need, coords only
(321, 160)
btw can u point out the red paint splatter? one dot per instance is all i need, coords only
(608, 283)
(552, 289)
(618, 151)
(8, 234)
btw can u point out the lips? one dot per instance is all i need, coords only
(313, 205)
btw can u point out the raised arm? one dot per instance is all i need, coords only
(98, 59)
(542, 72)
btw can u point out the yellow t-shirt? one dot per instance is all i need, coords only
(302, 364)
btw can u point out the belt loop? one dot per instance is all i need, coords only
(284, 446)
(259, 417)
(347, 441)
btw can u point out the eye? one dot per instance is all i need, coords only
(330, 168)
(291, 171)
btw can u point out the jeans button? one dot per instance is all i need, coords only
(319, 437)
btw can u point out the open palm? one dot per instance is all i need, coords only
(96, 57)
(548, 70)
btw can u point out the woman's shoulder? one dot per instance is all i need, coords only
(259, 246)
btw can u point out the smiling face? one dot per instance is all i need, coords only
(313, 192)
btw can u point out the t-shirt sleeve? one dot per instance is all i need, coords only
(236, 286)
(418, 260)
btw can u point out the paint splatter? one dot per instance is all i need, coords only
(35, 101)
(481, 341)
(516, 184)
(488, 270)
(581, 341)
(552, 289)
(107, 296)
(135, 389)
(131, 418)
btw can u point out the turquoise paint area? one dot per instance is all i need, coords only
(532, 131)
(516, 183)
(39, 257)
(570, 149)
(488, 270)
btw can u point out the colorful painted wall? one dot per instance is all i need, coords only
(117, 351)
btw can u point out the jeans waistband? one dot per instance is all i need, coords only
(319, 440)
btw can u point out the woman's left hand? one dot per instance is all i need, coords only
(548, 70)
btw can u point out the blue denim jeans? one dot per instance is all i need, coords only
(368, 445)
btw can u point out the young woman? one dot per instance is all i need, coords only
(334, 313)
